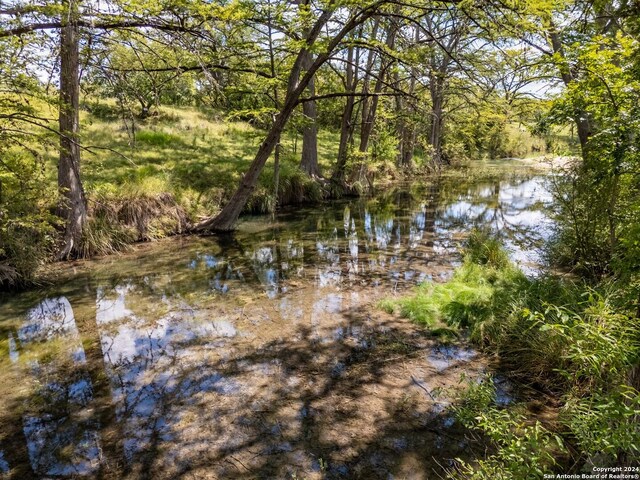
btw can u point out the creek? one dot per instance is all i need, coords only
(260, 354)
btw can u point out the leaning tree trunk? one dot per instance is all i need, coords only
(226, 219)
(309, 161)
(73, 207)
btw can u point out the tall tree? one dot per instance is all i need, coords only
(309, 160)
(405, 110)
(73, 208)
(346, 120)
(370, 105)
(444, 31)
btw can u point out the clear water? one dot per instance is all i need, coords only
(246, 356)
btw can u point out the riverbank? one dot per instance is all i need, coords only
(572, 345)
(160, 175)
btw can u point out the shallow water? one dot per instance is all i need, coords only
(260, 354)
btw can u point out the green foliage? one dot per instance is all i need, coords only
(468, 299)
(27, 228)
(579, 342)
(605, 423)
(492, 130)
(599, 199)
(601, 345)
(523, 449)
(483, 249)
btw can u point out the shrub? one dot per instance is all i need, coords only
(580, 343)
(27, 228)
(522, 449)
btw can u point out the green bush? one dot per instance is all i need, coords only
(579, 343)
(27, 228)
(473, 295)
(522, 449)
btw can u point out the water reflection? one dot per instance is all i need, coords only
(515, 210)
(60, 422)
(244, 345)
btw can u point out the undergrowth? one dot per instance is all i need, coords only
(578, 343)
(522, 448)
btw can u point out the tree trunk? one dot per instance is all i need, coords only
(309, 161)
(276, 105)
(368, 120)
(581, 117)
(73, 207)
(407, 146)
(346, 127)
(226, 219)
(366, 101)
(406, 129)
(436, 90)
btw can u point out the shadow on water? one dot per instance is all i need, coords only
(258, 355)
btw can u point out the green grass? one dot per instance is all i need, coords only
(469, 298)
(180, 165)
(189, 147)
(191, 154)
(173, 169)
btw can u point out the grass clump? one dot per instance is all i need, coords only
(157, 138)
(131, 214)
(460, 302)
(294, 188)
(101, 236)
(472, 296)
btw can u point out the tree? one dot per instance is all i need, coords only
(67, 19)
(309, 160)
(297, 83)
(74, 205)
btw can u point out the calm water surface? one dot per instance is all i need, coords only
(257, 355)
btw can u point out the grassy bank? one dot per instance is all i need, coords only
(575, 346)
(191, 154)
(155, 177)
(150, 178)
